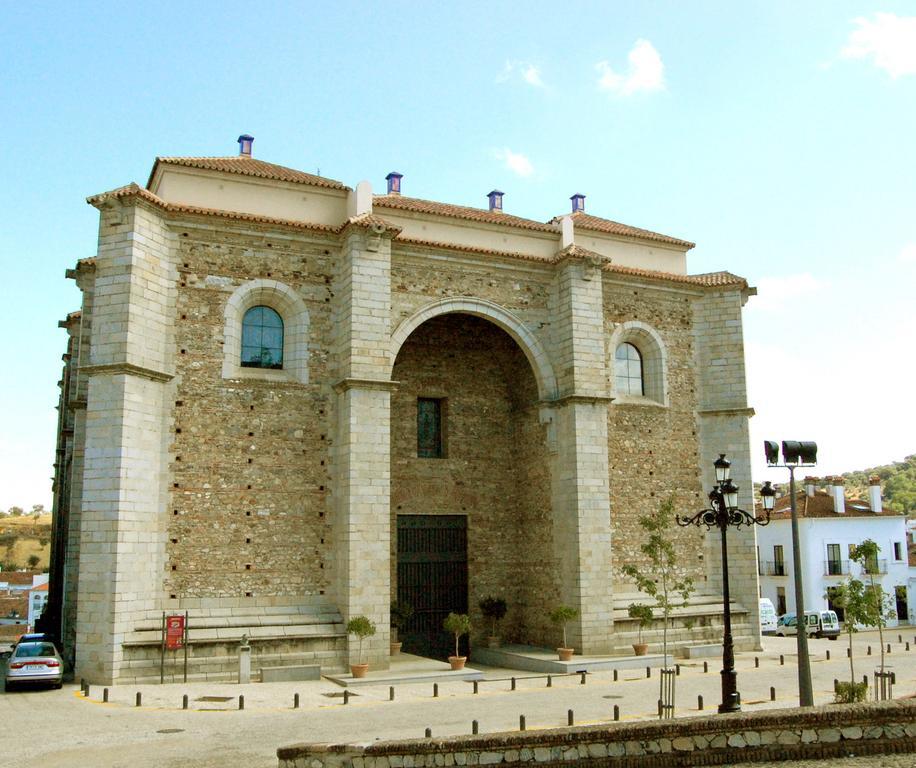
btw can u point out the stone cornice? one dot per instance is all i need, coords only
(727, 412)
(126, 368)
(377, 384)
(578, 400)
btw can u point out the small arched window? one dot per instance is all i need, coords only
(262, 338)
(628, 370)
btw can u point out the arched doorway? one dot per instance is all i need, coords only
(470, 485)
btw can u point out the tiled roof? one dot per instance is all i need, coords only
(706, 279)
(416, 205)
(248, 166)
(19, 604)
(370, 220)
(17, 578)
(584, 220)
(821, 505)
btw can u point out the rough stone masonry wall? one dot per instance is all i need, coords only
(247, 510)
(494, 470)
(653, 450)
(775, 735)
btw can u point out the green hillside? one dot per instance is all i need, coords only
(898, 481)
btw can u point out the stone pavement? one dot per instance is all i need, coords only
(63, 728)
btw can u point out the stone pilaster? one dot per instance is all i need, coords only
(122, 546)
(579, 469)
(362, 471)
(722, 427)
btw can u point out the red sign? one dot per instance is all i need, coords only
(174, 632)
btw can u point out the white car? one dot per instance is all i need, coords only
(34, 662)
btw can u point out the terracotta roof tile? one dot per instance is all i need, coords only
(371, 220)
(706, 279)
(416, 205)
(584, 220)
(821, 505)
(248, 166)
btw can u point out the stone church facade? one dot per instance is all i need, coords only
(287, 402)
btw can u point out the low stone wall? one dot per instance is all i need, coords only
(790, 734)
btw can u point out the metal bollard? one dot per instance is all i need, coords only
(888, 647)
(782, 660)
(475, 728)
(677, 669)
(346, 696)
(390, 693)
(615, 675)
(428, 733)
(648, 671)
(616, 713)
(865, 679)
(772, 693)
(241, 702)
(659, 705)
(700, 703)
(295, 701)
(899, 638)
(475, 686)
(756, 662)
(513, 684)
(86, 690)
(836, 684)
(582, 679)
(867, 652)
(569, 717)
(184, 701)
(105, 695)
(138, 699)
(521, 722)
(828, 655)
(893, 678)
(549, 681)
(848, 653)
(907, 645)
(705, 667)
(435, 690)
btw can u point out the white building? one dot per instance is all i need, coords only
(829, 524)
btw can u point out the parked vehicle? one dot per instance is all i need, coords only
(817, 624)
(767, 616)
(34, 662)
(828, 625)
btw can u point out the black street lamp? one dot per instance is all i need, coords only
(723, 513)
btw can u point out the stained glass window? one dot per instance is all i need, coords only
(628, 370)
(262, 338)
(429, 428)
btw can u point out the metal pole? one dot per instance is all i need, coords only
(162, 653)
(186, 646)
(731, 699)
(805, 690)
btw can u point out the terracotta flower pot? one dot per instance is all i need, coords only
(457, 662)
(395, 649)
(640, 649)
(359, 670)
(565, 654)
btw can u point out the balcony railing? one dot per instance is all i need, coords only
(875, 566)
(777, 568)
(836, 567)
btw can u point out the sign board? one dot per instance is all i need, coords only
(174, 632)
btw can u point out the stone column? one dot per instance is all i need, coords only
(122, 545)
(722, 421)
(362, 471)
(579, 471)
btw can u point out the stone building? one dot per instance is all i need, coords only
(287, 402)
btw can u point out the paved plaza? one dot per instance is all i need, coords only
(64, 728)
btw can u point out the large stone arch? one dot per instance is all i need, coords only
(526, 340)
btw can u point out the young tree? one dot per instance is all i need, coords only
(859, 608)
(866, 555)
(659, 577)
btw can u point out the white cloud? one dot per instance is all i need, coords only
(646, 71)
(515, 162)
(530, 73)
(775, 293)
(889, 40)
(907, 254)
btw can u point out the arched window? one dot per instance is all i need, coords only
(262, 338)
(628, 370)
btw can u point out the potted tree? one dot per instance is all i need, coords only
(361, 627)
(643, 615)
(400, 614)
(561, 615)
(458, 624)
(493, 608)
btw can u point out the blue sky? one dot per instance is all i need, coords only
(777, 136)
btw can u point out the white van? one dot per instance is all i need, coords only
(767, 616)
(828, 625)
(817, 624)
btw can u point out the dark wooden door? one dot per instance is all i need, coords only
(433, 579)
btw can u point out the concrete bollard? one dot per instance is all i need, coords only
(475, 686)
(138, 700)
(549, 681)
(241, 702)
(346, 696)
(435, 690)
(428, 733)
(616, 713)
(295, 701)
(772, 693)
(521, 722)
(184, 701)
(700, 703)
(513, 684)
(244, 661)
(105, 695)
(390, 693)
(475, 728)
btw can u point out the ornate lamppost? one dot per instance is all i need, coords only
(723, 513)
